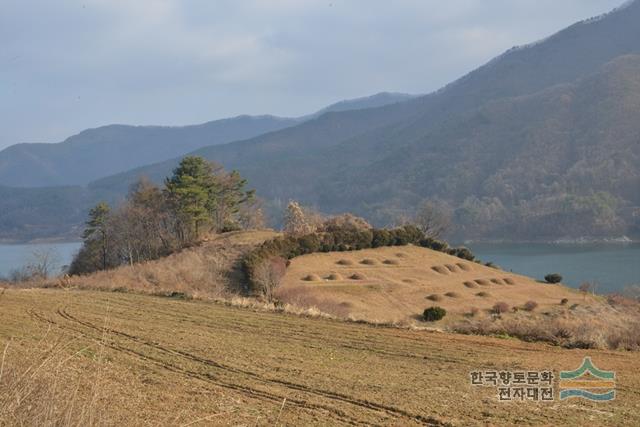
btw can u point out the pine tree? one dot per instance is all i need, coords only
(97, 230)
(188, 191)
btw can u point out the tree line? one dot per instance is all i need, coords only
(200, 197)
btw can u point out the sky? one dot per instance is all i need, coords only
(68, 65)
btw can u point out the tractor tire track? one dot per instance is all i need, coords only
(335, 413)
(361, 403)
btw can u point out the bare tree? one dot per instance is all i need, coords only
(432, 219)
(269, 275)
(585, 288)
(296, 222)
(40, 265)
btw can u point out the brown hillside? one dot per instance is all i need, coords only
(396, 284)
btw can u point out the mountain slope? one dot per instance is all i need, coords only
(107, 150)
(512, 147)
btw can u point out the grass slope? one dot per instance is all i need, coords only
(394, 284)
(141, 360)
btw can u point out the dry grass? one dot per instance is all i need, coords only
(615, 327)
(39, 386)
(209, 270)
(176, 362)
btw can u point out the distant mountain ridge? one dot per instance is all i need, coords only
(103, 151)
(541, 142)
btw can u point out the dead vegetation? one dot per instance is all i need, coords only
(39, 386)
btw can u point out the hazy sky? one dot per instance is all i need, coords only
(67, 65)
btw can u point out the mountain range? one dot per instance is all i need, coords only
(542, 142)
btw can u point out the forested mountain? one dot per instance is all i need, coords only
(540, 143)
(104, 151)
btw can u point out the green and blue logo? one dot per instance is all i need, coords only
(588, 382)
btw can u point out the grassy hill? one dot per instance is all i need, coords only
(122, 359)
(396, 284)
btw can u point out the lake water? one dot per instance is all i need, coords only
(15, 256)
(610, 266)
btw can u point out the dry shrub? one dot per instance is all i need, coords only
(483, 294)
(509, 281)
(500, 307)
(482, 282)
(391, 262)
(345, 262)
(435, 297)
(594, 327)
(401, 255)
(530, 305)
(564, 301)
(368, 261)
(357, 276)
(311, 278)
(497, 281)
(334, 276)
(452, 295)
(345, 221)
(470, 285)
(474, 311)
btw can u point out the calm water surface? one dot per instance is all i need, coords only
(15, 256)
(610, 266)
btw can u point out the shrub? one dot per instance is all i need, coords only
(474, 311)
(345, 221)
(434, 244)
(564, 301)
(462, 252)
(452, 295)
(433, 314)
(268, 275)
(483, 294)
(500, 307)
(434, 297)
(530, 305)
(553, 278)
(381, 238)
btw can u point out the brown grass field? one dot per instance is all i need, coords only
(99, 358)
(394, 284)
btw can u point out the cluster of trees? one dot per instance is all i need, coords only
(199, 198)
(306, 234)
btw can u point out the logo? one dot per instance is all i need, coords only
(588, 382)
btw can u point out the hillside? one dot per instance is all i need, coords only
(481, 145)
(394, 284)
(95, 153)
